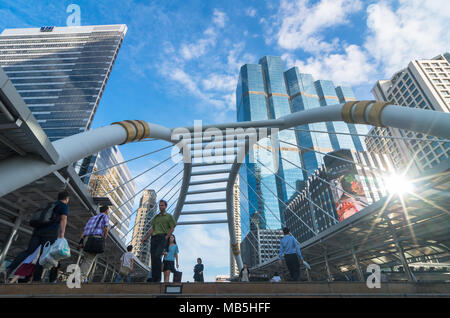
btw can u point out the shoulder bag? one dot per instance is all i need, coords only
(95, 243)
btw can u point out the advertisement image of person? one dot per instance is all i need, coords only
(347, 205)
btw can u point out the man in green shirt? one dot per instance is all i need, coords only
(163, 226)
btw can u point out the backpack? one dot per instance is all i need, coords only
(44, 216)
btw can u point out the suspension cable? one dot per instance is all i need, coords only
(310, 200)
(332, 156)
(269, 211)
(156, 194)
(273, 212)
(141, 191)
(250, 231)
(329, 183)
(371, 136)
(155, 213)
(311, 173)
(117, 164)
(144, 172)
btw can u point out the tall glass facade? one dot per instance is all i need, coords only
(266, 91)
(101, 182)
(61, 74)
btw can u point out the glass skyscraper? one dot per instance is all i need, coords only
(112, 183)
(266, 91)
(61, 72)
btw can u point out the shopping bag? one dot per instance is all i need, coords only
(307, 265)
(46, 260)
(177, 276)
(60, 249)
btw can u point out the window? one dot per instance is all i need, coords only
(437, 81)
(429, 69)
(415, 93)
(435, 64)
(433, 75)
(426, 64)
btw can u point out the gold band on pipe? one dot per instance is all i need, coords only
(235, 248)
(139, 129)
(359, 116)
(130, 129)
(146, 129)
(375, 113)
(347, 112)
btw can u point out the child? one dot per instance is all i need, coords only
(26, 269)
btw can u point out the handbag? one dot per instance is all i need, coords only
(95, 244)
(177, 276)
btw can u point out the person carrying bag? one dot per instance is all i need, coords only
(93, 240)
(95, 243)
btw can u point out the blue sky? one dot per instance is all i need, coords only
(180, 62)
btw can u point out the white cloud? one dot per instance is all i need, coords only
(350, 68)
(251, 12)
(397, 32)
(301, 24)
(220, 82)
(195, 50)
(414, 30)
(219, 18)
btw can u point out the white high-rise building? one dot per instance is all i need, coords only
(423, 84)
(145, 214)
(113, 183)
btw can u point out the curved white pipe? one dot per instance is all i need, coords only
(16, 172)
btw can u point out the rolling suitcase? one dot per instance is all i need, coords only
(177, 277)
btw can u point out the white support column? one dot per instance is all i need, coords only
(92, 273)
(358, 268)
(104, 274)
(330, 277)
(10, 238)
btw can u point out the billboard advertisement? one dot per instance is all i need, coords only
(347, 190)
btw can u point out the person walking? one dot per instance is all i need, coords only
(198, 271)
(169, 259)
(96, 229)
(163, 226)
(126, 266)
(26, 269)
(56, 228)
(244, 275)
(290, 249)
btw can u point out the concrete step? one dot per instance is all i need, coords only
(252, 289)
